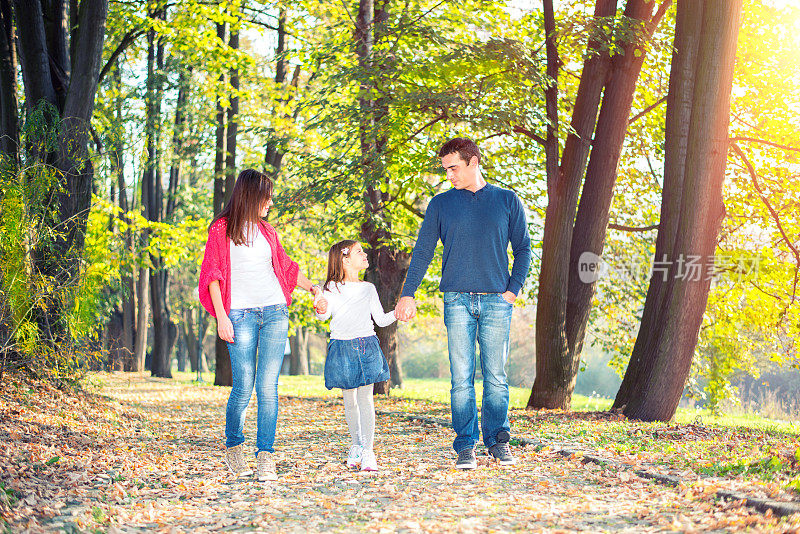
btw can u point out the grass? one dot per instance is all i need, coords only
(423, 389)
(438, 390)
(748, 447)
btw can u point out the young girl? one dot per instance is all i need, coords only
(246, 282)
(355, 361)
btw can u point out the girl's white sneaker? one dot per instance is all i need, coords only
(354, 456)
(368, 461)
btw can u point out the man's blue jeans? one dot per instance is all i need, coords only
(259, 336)
(485, 318)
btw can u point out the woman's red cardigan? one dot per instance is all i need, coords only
(217, 265)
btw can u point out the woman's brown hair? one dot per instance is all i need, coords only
(251, 191)
(336, 255)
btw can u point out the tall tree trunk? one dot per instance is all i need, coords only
(9, 106)
(116, 155)
(9, 137)
(223, 373)
(178, 136)
(298, 363)
(665, 352)
(387, 266)
(142, 314)
(233, 118)
(219, 160)
(164, 331)
(550, 387)
(688, 29)
(180, 352)
(591, 221)
(190, 335)
(222, 367)
(273, 155)
(68, 82)
(567, 308)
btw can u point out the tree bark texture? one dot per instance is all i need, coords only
(688, 28)
(273, 155)
(223, 375)
(142, 318)
(560, 340)
(222, 367)
(180, 353)
(591, 221)
(164, 331)
(9, 105)
(551, 386)
(219, 160)
(190, 337)
(387, 266)
(116, 155)
(68, 82)
(178, 146)
(298, 343)
(665, 352)
(233, 124)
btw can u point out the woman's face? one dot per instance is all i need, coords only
(265, 208)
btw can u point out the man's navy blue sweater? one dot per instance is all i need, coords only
(475, 230)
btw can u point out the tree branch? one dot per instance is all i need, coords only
(551, 99)
(662, 10)
(763, 142)
(525, 131)
(775, 217)
(647, 110)
(430, 123)
(126, 41)
(625, 228)
(410, 208)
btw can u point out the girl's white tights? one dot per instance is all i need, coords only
(359, 412)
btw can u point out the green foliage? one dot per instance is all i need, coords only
(17, 295)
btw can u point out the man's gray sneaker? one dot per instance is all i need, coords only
(466, 459)
(500, 451)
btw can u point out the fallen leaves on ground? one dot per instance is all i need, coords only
(146, 455)
(757, 462)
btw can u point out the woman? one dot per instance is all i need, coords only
(246, 281)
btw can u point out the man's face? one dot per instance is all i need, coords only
(460, 174)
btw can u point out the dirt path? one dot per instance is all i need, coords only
(153, 461)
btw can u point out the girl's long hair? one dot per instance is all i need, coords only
(336, 256)
(251, 191)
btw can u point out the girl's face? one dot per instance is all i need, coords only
(265, 208)
(357, 259)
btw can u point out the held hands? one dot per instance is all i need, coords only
(320, 302)
(406, 309)
(225, 328)
(321, 305)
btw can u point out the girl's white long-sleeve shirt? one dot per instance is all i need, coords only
(353, 306)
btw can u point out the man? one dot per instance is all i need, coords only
(475, 222)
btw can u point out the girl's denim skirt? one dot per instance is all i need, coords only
(351, 363)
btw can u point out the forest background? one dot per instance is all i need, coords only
(125, 123)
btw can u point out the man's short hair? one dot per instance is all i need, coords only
(466, 148)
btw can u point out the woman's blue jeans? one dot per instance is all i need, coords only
(485, 318)
(259, 339)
